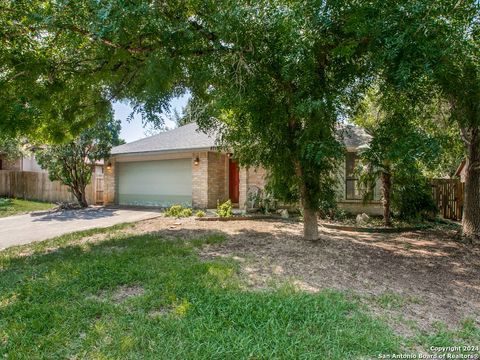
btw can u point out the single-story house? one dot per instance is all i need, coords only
(183, 166)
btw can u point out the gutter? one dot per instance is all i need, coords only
(163, 152)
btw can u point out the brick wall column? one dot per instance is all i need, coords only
(217, 175)
(243, 180)
(109, 182)
(200, 180)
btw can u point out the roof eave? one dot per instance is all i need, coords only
(162, 152)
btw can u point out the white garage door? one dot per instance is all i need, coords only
(155, 183)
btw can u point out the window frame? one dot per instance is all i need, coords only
(351, 177)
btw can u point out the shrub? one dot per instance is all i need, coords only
(225, 210)
(178, 211)
(174, 211)
(200, 213)
(261, 199)
(328, 208)
(412, 199)
(187, 212)
(341, 214)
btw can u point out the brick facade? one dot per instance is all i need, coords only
(210, 184)
(200, 180)
(243, 177)
(109, 183)
(217, 179)
(257, 177)
(250, 177)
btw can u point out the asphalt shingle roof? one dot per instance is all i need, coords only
(186, 137)
(352, 136)
(189, 137)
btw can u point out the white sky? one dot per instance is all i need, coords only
(134, 129)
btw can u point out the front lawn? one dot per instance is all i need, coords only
(9, 207)
(111, 293)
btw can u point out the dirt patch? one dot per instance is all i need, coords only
(431, 266)
(93, 239)
(159, 312)
(121, 294)
(125, 292)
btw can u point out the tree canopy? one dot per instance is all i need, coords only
(10, 148)
(274, 77)
(72, 162)
(432, 47)
(399, 151)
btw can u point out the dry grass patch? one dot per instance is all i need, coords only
(429, 265)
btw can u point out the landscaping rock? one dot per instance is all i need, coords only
(284, 213)
(362, 219)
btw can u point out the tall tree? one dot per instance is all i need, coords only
(72, 162)
(395, 155)
(277, 99)
(406, 145)
(428, 46)
(48, 90)
(276, 76)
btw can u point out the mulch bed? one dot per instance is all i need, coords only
(385, 230)
(239, 218)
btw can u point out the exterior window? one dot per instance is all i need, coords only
(352, 188)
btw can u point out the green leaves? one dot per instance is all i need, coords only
(71, 162)
(10, 148)
(273, 77)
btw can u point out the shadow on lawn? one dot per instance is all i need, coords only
(428, 265)
(60, 299)
(445, 277)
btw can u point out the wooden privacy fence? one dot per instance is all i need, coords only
(449, 196)
(37, 186)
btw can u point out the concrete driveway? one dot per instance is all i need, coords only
(23, 229)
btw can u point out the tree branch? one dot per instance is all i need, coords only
(107, 42)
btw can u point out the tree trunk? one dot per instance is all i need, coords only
(310, 224)
(471, 209)
(386, 197)
(81, 197)
(310, 215)
(83, 201)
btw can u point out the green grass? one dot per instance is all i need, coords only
(9, 207)
(390, 300)
(62, 301)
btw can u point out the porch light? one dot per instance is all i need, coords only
(109, 166)
(229, 155)
(196, 161)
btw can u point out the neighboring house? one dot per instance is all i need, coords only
(462, 171)
(24, 178)
(184, 166)
(29, 163)
(23, 163)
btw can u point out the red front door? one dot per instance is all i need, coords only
(234, 181)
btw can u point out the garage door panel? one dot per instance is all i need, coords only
(155, 183)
